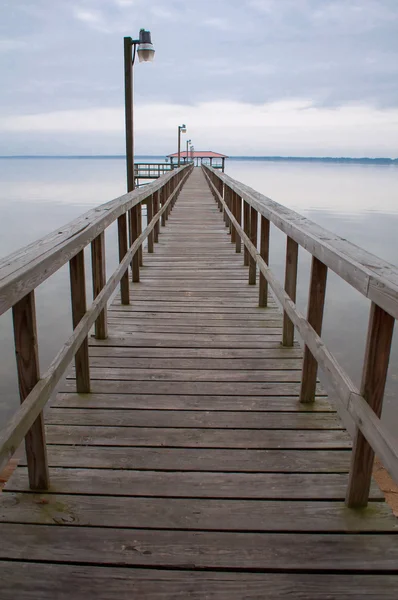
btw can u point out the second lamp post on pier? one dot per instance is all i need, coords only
(181, 129)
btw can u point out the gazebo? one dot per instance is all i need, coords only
(208, 156)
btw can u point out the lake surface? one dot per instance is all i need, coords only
(359, 202)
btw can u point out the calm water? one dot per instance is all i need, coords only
(358, 202)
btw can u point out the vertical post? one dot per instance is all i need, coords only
(139, 231)
(128, 112)
(238, 217)
(374, 374)
(78, 297)
(149, 212)
(246, 228)
(264, 253)
(316, 303)
(135, 264)
(227, 192)
(253, 239)
(25, 337)
(156, 210)
(99, 281)
(163, 200)
(233, 211)
(290, 288)
(122, 239)
(179, 147)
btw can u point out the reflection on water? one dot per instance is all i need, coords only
(358, 202)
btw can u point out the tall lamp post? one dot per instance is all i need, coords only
(143, 47)
(188, 142)
(181, 129)
(145, 50)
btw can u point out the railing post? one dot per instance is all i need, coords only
(149, 212)
(227, 193)
(290, 288)
(253, 239)
(264, 253)
(238, 217)
(123, 246)
(163, 200)
(79, 307)
(25, 337)
(156, 210)
(99, 280)
(233, 211)
(316, 302)
(135, 263)
(139, 231)
(374, 374)
(246, 229)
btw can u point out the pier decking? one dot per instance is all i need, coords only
(191, 469)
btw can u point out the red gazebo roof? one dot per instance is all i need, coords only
(198, 154)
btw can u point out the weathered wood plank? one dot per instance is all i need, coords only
(188, 549)
(26, 581)
(193, 513)
(192, 402)
(295, 486)
(193, 419)
(228, 354)
(79, 308)
(195, 438)
(197, 364)
(98, 258)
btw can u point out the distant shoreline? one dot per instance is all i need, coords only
(325, 159)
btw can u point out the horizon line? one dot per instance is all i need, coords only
(240, 156)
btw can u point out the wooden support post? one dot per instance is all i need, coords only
(233, 211)
(238, 217)
(99, 281)
(149, 212)
(139, 231)
(374, 375)
(156, 203)
(123, 246)
(290, 288)
(246, 229)
(264, 253)
(163, 200)
(253, 239)
(221, 190)
(135, 264)
(227, 198)
(316, 303)
(26, 350)
(79, 307)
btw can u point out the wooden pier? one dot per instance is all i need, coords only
(201, 458)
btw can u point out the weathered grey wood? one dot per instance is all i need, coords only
(188, 549)
(264, 253)
(295, 486)
(193, 419)
(27, 355)
(182, 340)
(290, 288)
(375, 367)
(238, 211)
(116, 583)
(123, 245)
(156, 207)
(253, 239)
(206, 388)
(316, 302)
(150, 211)
(230, 354)
(99, 281)
(134, 217)
(190, 459)
(246, 227)
(195, 438)
(243, 365)
(192, 402)
(79, 308)
(195, 513)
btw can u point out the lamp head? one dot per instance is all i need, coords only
(145, 49)
(183, 128)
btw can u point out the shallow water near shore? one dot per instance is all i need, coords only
(358, 202)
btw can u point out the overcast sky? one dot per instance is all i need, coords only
(258, 77)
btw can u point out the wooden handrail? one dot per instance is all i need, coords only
(27, 422)
(25, 269)
(358, 268)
